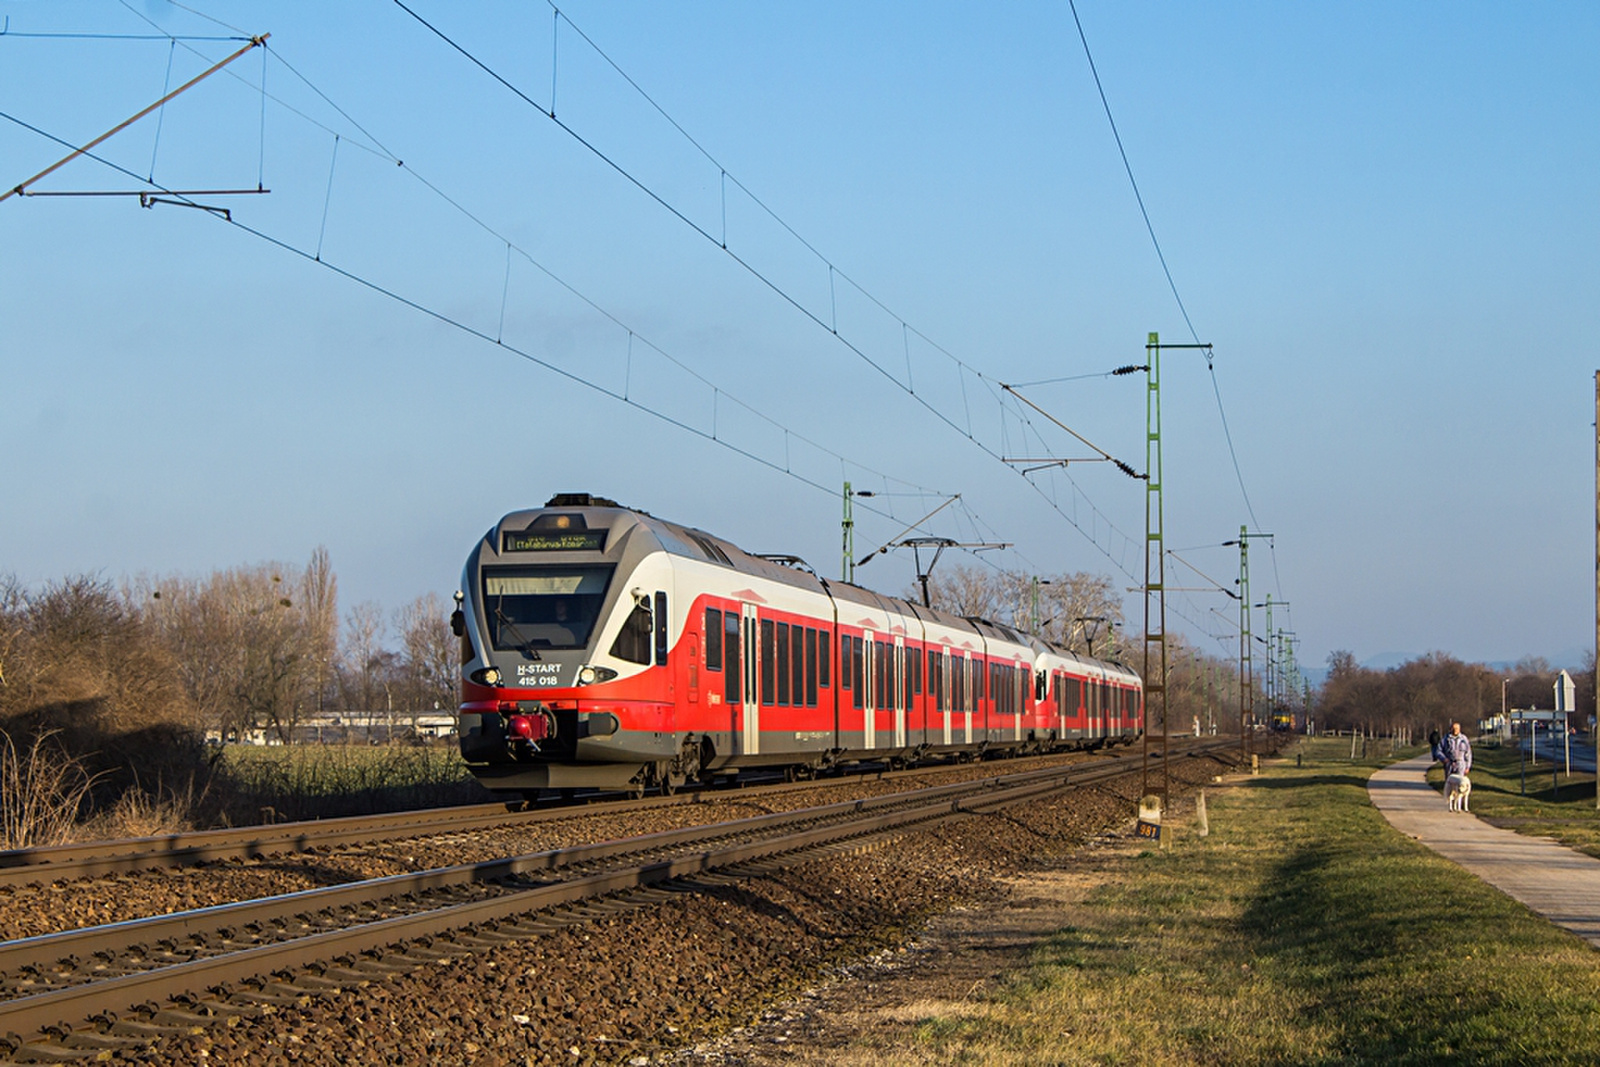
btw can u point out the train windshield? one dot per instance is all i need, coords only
(530, 608)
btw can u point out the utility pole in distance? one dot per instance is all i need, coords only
(1247, 696)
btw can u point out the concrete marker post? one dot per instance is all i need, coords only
(1149, 824)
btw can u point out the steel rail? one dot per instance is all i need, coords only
(72, 1005)
(92, 859)
(113, 937)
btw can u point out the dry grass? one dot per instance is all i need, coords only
(42, 791)
(274, 784)
(138, 814)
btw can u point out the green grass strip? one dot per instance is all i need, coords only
(1303, 930)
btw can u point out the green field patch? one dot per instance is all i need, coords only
(1303, 930)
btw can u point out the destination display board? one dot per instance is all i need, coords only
(553, 541)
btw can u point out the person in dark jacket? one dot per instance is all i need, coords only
(1433, 743)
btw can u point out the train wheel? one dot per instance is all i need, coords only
(684, 766)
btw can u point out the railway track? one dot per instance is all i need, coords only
(33, 866)
(80, 992)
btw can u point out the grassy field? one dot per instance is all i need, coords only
(1303, 930)
(1563, 809)
(278, 783)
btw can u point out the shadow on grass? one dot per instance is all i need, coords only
(1307, 781)
(1381, 955)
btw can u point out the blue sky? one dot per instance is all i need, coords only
(1384, 217)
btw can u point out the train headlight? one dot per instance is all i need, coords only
(485, 676)
(591, 675)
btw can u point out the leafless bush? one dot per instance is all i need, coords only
(42, 792)
(138, 813)
(84, 669)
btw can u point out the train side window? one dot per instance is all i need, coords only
(781, 664)
(857, 654)
(731, 676)
(844, 661)
(633, 640)
(661, 629)
(713, 639)
(811, 667)
(797, 665)
(766, 661)
(824, 646)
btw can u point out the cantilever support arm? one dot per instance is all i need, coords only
(19, 188)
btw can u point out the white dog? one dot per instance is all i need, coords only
(1457, 789)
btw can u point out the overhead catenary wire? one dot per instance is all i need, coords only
(1162, 257)
(834, 272)
(416, 305)
(1096, 520)
(964, 426)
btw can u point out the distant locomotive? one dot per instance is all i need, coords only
(603, 647)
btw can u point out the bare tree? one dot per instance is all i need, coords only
(319, 592)
(428, 654)
(971, 592)
(1052, 606)
(366, 664)
(243, 644)
(273, 648)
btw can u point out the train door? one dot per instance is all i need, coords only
(967, 664)
(942, 690)
(869, 694)
(1017, 697)
(1060, 692)
(750, 732)
(900, 682)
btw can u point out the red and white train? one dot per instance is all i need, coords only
(604, 647)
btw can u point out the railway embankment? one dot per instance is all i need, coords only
(639, 981)
(1302, 929)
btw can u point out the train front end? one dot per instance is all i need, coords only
(564, 626)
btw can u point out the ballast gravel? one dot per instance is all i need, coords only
(28, 911)
(638, 987)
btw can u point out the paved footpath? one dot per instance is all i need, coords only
(1551, 879)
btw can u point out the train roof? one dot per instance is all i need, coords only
(693, 543)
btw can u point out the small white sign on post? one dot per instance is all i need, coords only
(1566, 693)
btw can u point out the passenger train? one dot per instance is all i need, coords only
(603, 647)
